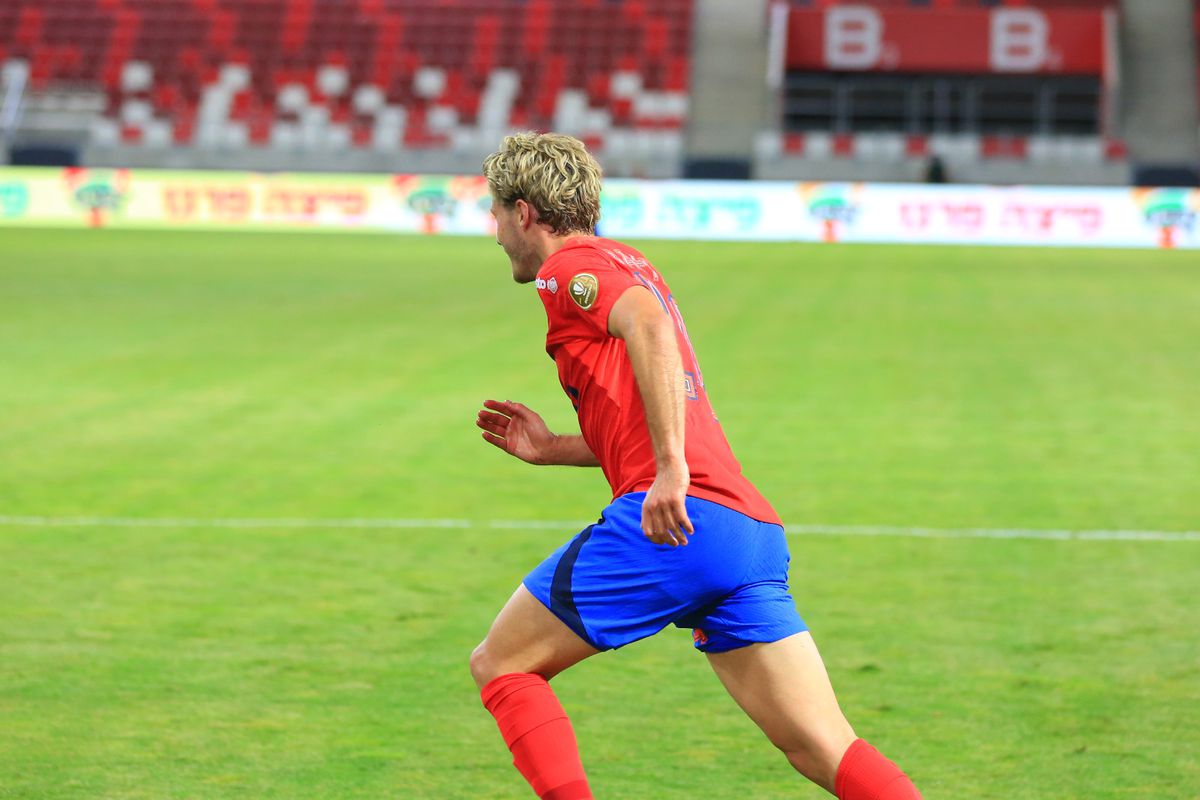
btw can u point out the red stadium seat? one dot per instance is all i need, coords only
(559, 54)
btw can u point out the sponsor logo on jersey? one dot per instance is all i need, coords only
(551, 285)
(583, 289)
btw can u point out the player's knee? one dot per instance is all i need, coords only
(482, 666)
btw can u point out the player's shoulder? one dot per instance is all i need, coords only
(590, 275)
(595, 253)
(621, 254)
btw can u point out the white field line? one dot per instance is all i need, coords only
(567, 526)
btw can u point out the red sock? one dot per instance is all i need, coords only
(538, 733)
(865, 774)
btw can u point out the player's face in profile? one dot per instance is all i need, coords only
(508, 236)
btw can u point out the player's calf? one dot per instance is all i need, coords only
(865, 774)
(539, 735)
(816, 753)
(526, 646)
(838, 761)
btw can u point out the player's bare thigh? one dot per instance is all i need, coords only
(526, 637)
(784, 688)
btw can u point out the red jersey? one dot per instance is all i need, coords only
(579, 285)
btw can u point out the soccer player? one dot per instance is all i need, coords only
(687, 540)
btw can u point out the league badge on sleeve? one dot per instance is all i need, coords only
(583, 289)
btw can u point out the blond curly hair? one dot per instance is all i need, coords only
(552, 172)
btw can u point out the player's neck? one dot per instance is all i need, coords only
(551, 243)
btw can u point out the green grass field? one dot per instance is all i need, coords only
(266, 377)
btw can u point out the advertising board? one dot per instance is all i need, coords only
(705, 210)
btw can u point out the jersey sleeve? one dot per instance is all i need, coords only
(588, 285)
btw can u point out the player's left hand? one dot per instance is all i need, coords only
(664, 515)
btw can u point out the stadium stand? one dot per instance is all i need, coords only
(431, 85)
(392, 76)
(950, 4)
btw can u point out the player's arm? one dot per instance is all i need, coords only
(649, 333)
(521, 432)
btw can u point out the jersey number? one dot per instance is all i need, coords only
(671, 307)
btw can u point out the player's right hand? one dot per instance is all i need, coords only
(516, 430)
(664, 511)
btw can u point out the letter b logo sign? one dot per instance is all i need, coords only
(1020, 40)
(853, 37)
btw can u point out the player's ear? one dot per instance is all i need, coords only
(527, 215)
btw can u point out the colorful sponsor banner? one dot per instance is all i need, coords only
(706, 210)
(1001, 40)
(235, 200)
(903, 213)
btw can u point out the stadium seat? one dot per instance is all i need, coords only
(954, 148)
(382, 74)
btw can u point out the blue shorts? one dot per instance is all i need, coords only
(612, 585)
